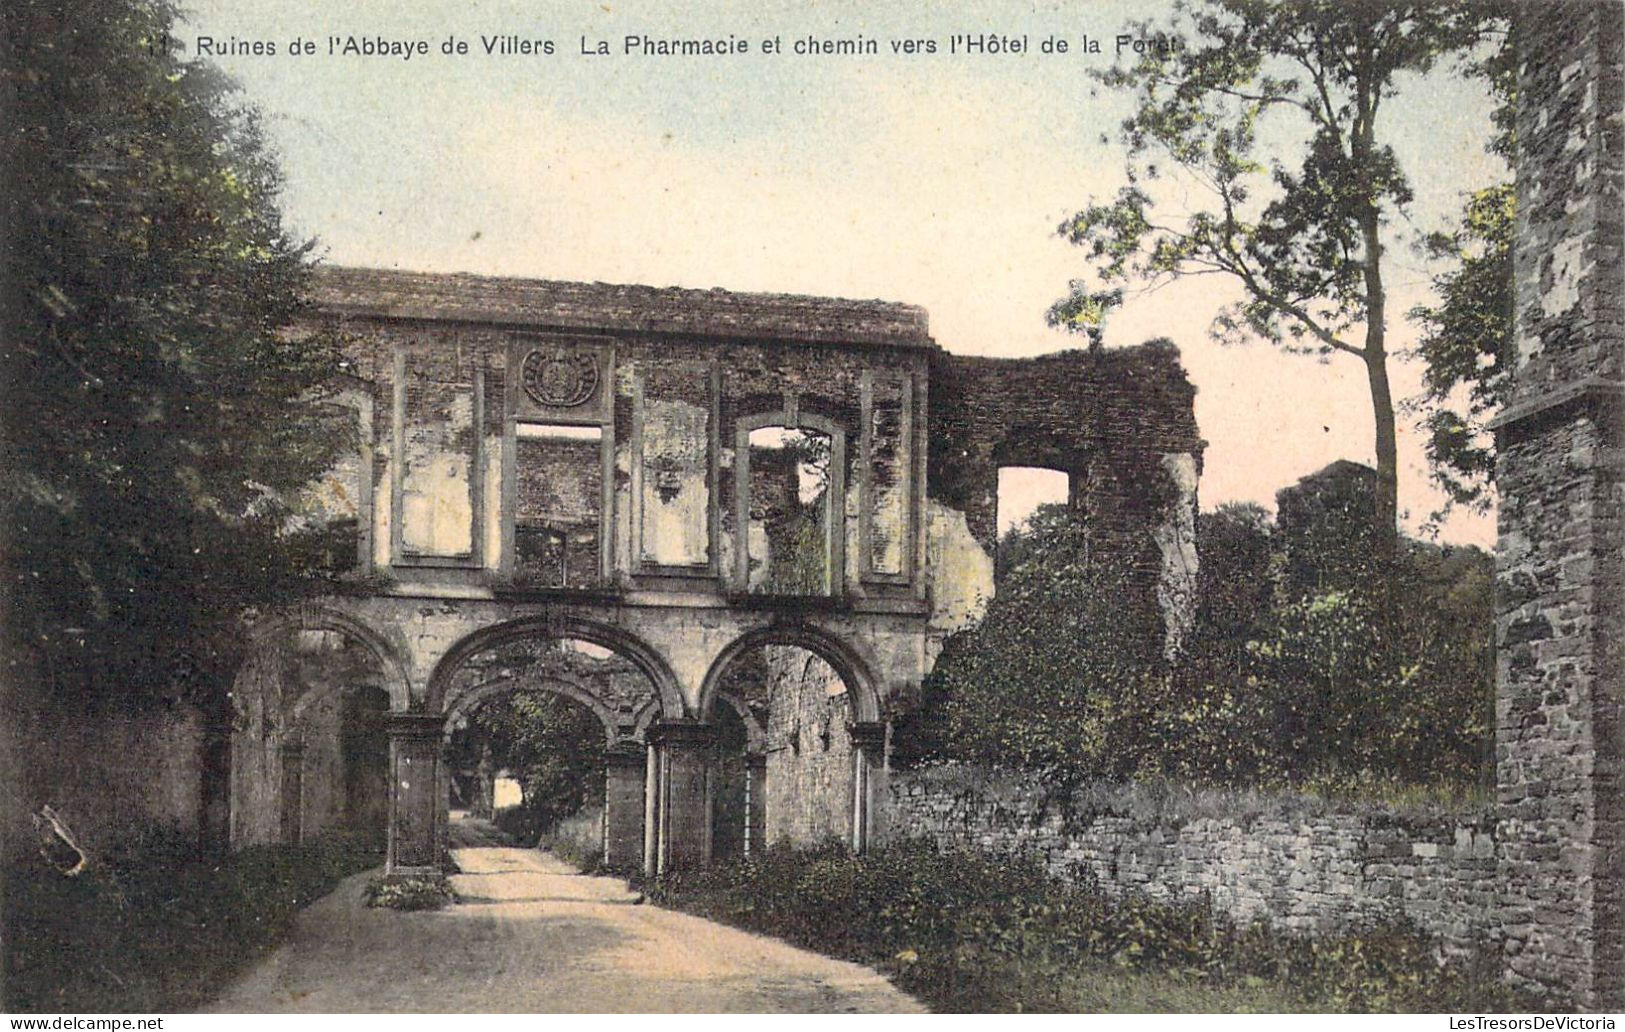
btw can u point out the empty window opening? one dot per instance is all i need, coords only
(558, 513)
(1023, 490)
(789, 537)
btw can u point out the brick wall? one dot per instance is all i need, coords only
(1302, 866)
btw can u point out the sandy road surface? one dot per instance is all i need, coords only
(532, 935)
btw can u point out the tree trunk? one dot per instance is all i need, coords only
(1382, 399)
(1382, 413)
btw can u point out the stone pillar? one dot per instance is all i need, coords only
(651, 810)
(868, 779)
(484, 803)
(1560, 729)
(291, 798)
(755, 803)
(624, 770)
(414, 791)
(214, 818)
(687, 753)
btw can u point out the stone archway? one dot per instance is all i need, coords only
(618, 678)
(605, 636)
(822, 744)
(623, 758)
(295, 765)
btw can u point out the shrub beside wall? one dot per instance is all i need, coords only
(1305, 864)
(578, 839)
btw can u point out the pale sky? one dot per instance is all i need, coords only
(937, 180)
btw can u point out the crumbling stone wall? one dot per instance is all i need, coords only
(809, 750)
(1303, 868)
(1561, 555)
(1119, 422)
(298, 739)
(110, 774)
(453, 381)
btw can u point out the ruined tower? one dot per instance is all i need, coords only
(1561, 595)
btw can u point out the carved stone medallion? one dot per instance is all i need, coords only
(559, 379)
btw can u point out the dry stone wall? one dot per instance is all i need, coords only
(1299, 867)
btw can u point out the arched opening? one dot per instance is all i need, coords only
(553, 720)
(531, 762)
(804, 778)
(1022, 491)
(737, 800)
(310, 746)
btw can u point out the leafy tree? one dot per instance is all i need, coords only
(1467, 345)
(1303, 236)
(156, 413)
(553, 745)
(1050, 679)
(1289, 677)
(1467, 335)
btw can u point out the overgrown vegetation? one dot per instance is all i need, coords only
(969, 932)
(153, 928)
(1467, 344)
(159, 424)
(1303, 671)
(553, 746)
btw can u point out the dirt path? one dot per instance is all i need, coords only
(532, 935)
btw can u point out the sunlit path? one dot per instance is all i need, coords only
(532, 935)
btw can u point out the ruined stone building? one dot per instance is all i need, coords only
(735, 527)
(1560, 471)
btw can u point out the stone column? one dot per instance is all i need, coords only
(291, 798)
(214, 817)
(651, 810)
(624, 770)
(1560, 569)
(755, 803)
(485, 787)
(686, 756)
(868, 779)
(414, 788)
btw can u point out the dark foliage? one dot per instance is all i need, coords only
(1046, 682)
(1327, 533)
(1467, 345)
(553, 745)
(1285, 681)
(971, 932)
(156, 929)
(156, 416)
